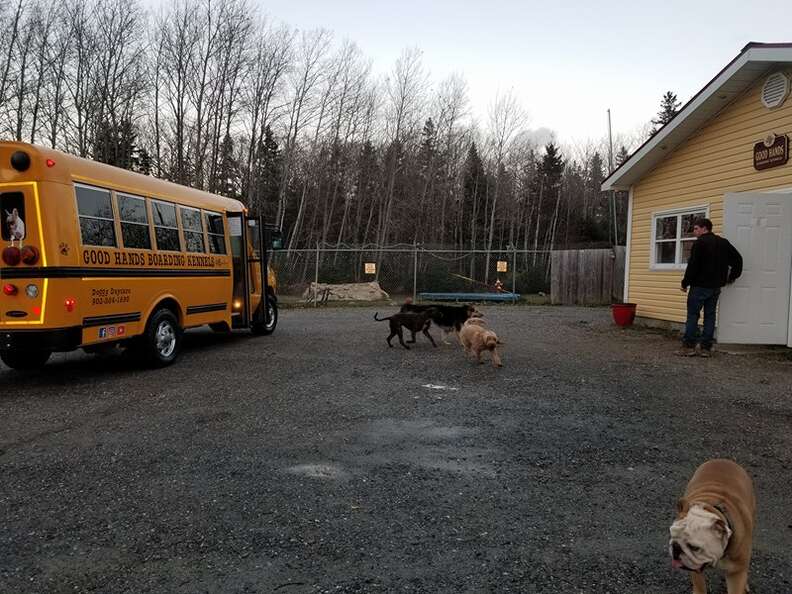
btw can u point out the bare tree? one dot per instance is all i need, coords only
(271, 59)
(305, 77)
(506, 118)
(8, 43)
(180, 37)
(405, 92)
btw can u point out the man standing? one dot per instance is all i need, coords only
(713, 263)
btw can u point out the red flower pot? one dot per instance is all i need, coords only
(623, 313)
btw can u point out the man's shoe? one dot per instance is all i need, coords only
(706, 353)
(686, 351)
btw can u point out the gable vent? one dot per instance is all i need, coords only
(775, 90)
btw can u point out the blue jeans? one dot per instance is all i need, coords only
(698, 298)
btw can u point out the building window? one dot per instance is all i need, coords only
(673, 238)
(134, 222)
(166, 229)
(193, 231)
(216, 232)
(95, 210)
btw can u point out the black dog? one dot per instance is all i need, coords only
(414, 322)
(448, 317)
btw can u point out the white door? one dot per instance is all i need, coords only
(755, 309)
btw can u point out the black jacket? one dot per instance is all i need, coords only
(713, 263)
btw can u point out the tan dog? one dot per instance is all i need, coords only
(475, 339)
(714, 525)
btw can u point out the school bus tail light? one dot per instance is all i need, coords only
(70, 303)
(10, 289)
(50, 163)
(11, 255)
(29, 255)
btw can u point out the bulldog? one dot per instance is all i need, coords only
(714, 525)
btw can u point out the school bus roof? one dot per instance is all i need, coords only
(69, 168)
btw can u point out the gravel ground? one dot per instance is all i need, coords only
(318, 460)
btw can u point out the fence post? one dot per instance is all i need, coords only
(415, 270)
(514, 274)
(316, 278)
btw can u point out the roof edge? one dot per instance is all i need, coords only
(751, 52)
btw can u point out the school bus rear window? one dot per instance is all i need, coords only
(96, 216)
(13, 212)
(134, 222)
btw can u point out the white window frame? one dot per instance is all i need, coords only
(82, 216)
(122, 222)
(176, 228)
(679, 212)
(209, 233)
(185, 231)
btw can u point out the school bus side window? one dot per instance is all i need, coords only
(166, 230)
(134, 221)
(214, 226)
(95, 210)
(193, 231)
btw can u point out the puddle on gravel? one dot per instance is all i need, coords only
(424, 444)
(320, 471)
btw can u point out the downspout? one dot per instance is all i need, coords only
(628, 247)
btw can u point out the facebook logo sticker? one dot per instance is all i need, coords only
(102, 332)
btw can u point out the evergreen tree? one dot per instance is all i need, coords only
(228, 172)
(365, 192)
(267, 174)
(594, 226)
(427, 152)
(669, 106)
(116, 144)
(144, 162)
(552, 166)
(474, 186)
(621, 156)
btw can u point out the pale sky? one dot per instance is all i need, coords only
(567, 61)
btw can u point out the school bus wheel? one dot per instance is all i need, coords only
(258, 326)
(160, 344)
(24, 359)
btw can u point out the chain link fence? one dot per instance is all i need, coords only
(317, 275)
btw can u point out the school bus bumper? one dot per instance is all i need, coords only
(55, 339)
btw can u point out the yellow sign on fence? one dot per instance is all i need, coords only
(503, 266)
(371, 267)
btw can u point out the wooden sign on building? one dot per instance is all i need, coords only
(771, 152)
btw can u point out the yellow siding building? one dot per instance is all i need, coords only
(730, 139)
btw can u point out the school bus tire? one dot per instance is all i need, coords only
(262, 329)
(161, 342)
(23, 360)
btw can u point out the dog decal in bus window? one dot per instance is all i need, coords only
(12, 223)
(15, 226)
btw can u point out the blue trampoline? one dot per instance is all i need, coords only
(469, 296)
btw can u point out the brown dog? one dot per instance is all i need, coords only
(476, 338)
(714, 525)
(414, 322)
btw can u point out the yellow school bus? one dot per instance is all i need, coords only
(97, 257)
